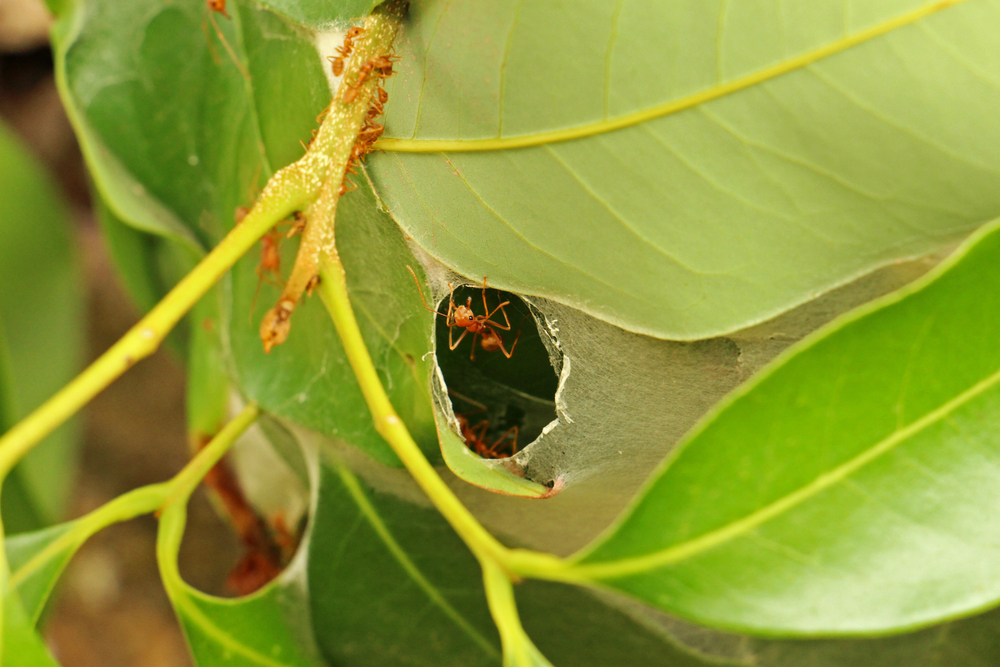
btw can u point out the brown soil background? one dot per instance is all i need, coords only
(110, 609)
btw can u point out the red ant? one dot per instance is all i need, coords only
(218, 6)
(382, 65)
(479, 325)
(345, 50)
(475, 435)
(474, 439)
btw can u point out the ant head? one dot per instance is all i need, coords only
(355, 32)
(464, 317)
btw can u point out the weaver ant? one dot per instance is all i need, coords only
(481, 326)
(218, 6)
(345, 50)
(475, 436)
(381, 65)
(475, 439)
(269, 268)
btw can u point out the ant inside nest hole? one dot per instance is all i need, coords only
(499, 374)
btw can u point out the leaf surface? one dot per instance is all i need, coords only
(730, 160)
(391, 583)
(858, 504)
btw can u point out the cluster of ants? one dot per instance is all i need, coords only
(269, 268)
(380, 66)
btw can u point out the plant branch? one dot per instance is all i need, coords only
(333, 292)
(143, 500)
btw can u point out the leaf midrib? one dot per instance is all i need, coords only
(691, 548)
(667, 108)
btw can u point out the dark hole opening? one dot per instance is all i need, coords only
(503, 404)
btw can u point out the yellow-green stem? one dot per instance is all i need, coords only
(287, 195)
(145, 499)
(333, 291)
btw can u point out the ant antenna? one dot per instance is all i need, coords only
(422, 292)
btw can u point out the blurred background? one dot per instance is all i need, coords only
(110, 609)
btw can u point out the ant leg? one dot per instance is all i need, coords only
(450, 319)
(486, 307)
(451, 345)
(475, 337)
(502, 349)
(506, 434)
(422, 297)
(481, 426)
(501, 309)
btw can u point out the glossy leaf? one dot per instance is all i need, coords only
(729, 160)
(40, 334)
(859, 503)
(391, 583)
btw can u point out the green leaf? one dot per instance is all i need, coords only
(136, 255)
(40, 334)
(322, 13)
(36, 562)
(391, 583)
(178, 169)
(764, 155)
(21, 647)
(858, 503)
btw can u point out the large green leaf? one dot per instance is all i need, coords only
(391, 583)
(765, 153)
(40, 333)
(858, 503)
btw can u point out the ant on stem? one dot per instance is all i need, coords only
(481, 326)
(344, 51)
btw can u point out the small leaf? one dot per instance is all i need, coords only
(849, 488)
